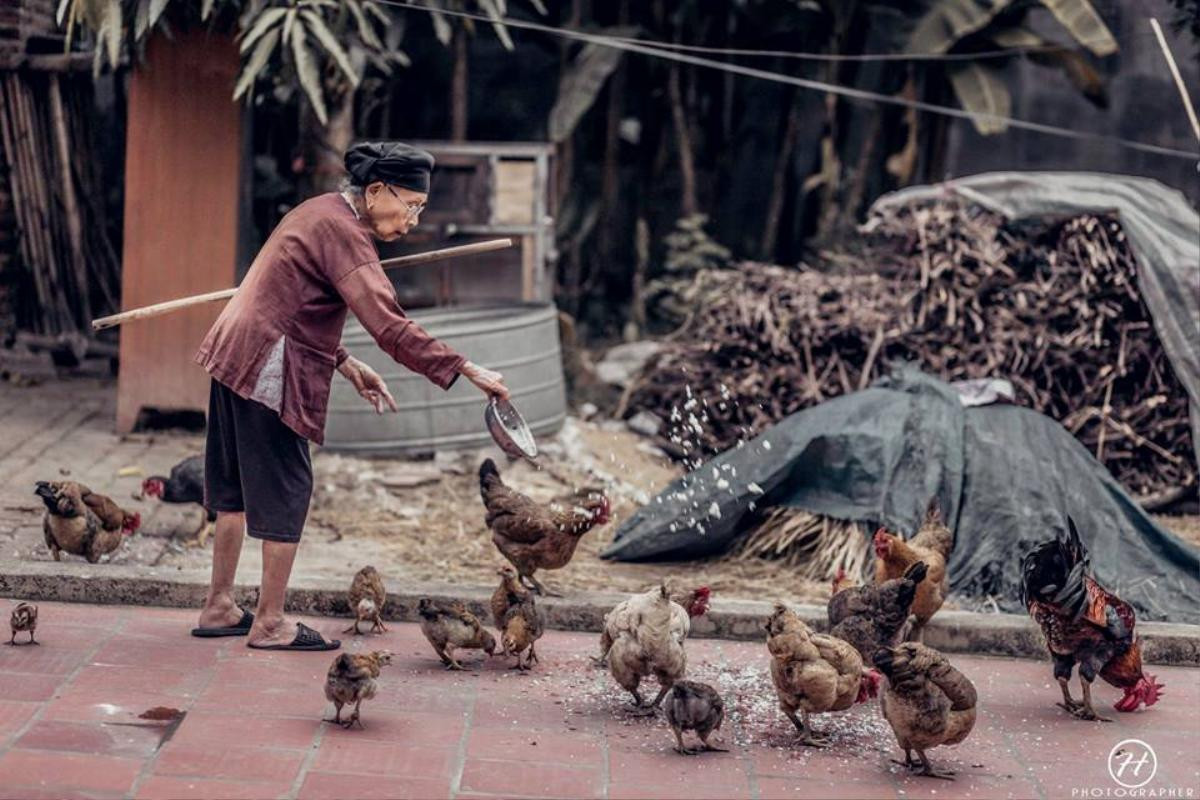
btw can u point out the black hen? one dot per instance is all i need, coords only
(871, 617)
(184, 485)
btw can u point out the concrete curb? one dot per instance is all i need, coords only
(950, 631)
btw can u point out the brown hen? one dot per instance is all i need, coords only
(932, 545)
(81, 522)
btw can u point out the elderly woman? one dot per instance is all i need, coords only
(272, 354)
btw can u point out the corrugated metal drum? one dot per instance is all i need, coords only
(520, 341)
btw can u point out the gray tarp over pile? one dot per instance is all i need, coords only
(1163, 230)
(1004, 476)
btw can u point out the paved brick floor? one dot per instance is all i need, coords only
(70, 727)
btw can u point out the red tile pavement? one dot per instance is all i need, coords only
(70, 726)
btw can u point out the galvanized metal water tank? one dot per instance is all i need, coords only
(519, 340)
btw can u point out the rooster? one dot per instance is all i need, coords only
(932, 544)
(184, 485)
(81, 522)
(534, 536)
(1084, 624)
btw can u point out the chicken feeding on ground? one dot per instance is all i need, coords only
(351, 679)
(1084, 624)
(81, 522)
(894, 556)
(449, 626)
(624, 616)
(646, 634)
(695, 707)
(516, 618)
(535, 536)
(926, 701)
(367, 597)
(184, 485)
(871, 617)
(23, 620)
(813, 673)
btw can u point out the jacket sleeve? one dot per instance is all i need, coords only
(370, 295)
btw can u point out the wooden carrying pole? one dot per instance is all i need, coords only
(402, 261)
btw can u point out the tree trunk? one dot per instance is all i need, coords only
(459, 94)
(687, 165)
(327, 145)
(610, 181)
(779, 179)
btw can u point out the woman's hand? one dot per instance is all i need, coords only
(368, 383)
(489, 382)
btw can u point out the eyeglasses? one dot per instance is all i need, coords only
(414, 209)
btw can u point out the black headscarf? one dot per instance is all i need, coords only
(391, 162)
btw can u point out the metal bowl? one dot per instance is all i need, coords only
(508, 428)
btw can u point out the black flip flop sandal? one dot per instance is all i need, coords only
(240, 629)
(306, 639)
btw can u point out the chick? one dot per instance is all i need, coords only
(693, 706)
(367, 597)
(449, 626)
(522, 628)
(351, 679)
(24, 618)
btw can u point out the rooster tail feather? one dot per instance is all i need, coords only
(488, 475)
(917, 572)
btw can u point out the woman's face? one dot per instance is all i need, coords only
(392, 211)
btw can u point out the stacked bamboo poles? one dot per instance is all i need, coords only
(43, 141)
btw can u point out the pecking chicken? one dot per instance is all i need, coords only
(81, 522)
(695, 707)
(450, 626)
(521, 630)
(926, 701)
(1084, 624)
(533, 536)
(184, 485)
(932, 544)
(646, 633)
(23, 620)
(625, 615)
(367, 597)
(351, 679)
(813, 673)
(871, 617)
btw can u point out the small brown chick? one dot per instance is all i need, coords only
(351, 679)
(24, 618)
(509, 592)
(367, 597)
(522, 628)
(449, 626)
(693, 706)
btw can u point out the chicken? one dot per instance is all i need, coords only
(813, 673)
(625, 615)
(647, 633)
(449, 626)
(1084, 624)
(926, 701)
(351, 679)
(932, 544)
(871, 617)
(509, 592)
(81, 522)
(533, 536)
(184, 485)
(367, 597)
(695, 707)
(23, 620)
(521, 630)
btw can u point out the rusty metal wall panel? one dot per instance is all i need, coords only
(181, 214)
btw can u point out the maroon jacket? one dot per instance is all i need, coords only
(278, 340)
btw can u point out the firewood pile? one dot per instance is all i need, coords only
(1053, 307)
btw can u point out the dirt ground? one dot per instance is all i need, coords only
(415, 520)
